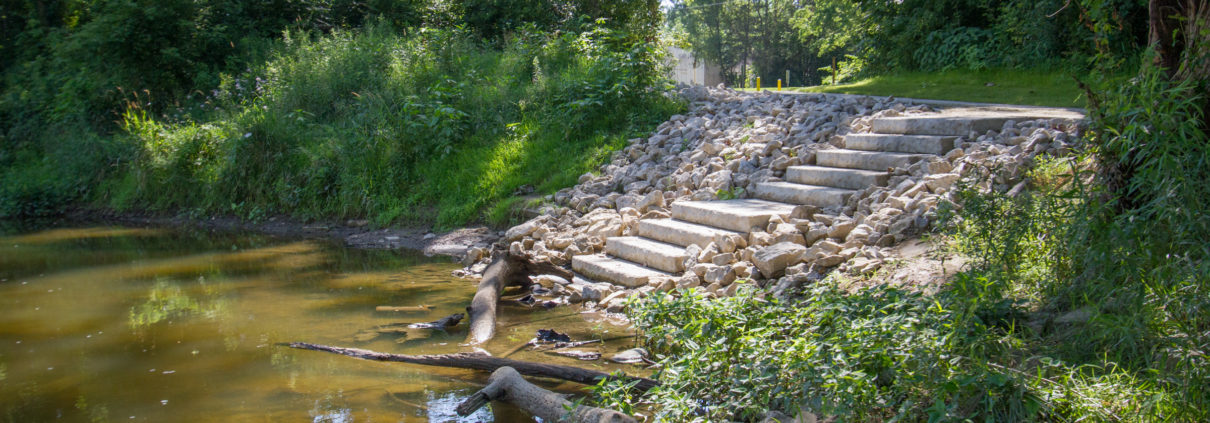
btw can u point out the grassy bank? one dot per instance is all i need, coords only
(1028, 87)
(435, 126)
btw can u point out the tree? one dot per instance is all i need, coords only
(1180, 34)
(746, 38)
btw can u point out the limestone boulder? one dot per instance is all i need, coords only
(773, 260)
(523, 230)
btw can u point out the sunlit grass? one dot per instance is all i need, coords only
(1034, 88)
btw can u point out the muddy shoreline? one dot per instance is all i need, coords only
(352, 233)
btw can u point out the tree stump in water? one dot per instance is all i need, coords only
(506, 270)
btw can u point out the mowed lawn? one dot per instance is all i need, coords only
(1054, 89)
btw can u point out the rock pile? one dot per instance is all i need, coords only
(727, 143)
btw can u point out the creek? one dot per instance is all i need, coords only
(103, 323)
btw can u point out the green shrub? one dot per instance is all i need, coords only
(1142, 261)
(1126, 252)
(929, 35)
(956, 48)
(879, 354)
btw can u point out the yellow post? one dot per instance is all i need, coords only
(758, 83)
(779, 85)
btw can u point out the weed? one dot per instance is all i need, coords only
(730, 194)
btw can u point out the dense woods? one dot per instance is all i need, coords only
(767, 38)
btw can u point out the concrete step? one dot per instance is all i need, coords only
(789, 192)
(836, 177)
(869, 160)
(681, 233)
(654, 254)
(616, 271)
(736, 215)
(924, 144)
(936, 125)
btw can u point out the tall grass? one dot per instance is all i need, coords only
(433, 127)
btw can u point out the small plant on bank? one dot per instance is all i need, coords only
(615, 394)
(731, 194)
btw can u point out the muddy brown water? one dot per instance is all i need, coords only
(109, 324)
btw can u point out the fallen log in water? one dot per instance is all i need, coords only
(507, 385)
(506, 270)
(481, 361)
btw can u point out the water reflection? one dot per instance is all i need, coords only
(118, 324)
(74, 234)
(167, 301)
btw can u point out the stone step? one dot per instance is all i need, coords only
(789, 192)
(936, 125)
(869, 160)
(836, 177)
(681, 233)
(613, 270)
(737, 215)
(654, 254)
(923, 144)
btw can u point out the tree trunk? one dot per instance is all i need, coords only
(1163, 22)
(1195, 64)
(1180, 34)
(481, 361)
(506, 270)
(508, 386)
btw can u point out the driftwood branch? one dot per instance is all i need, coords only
(403, 309)
(507, 385)
(404, 328)
(506, 270)
(481, 361)
(442, 323)
(577, 354)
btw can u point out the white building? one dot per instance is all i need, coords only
(690, 70)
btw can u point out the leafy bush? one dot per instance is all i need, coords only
(930, 35)
(1126, 252)
(1142, 260)
(956, 48)
(879, 354)
(970, 352)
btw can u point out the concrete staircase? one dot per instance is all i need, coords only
(867, 159)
